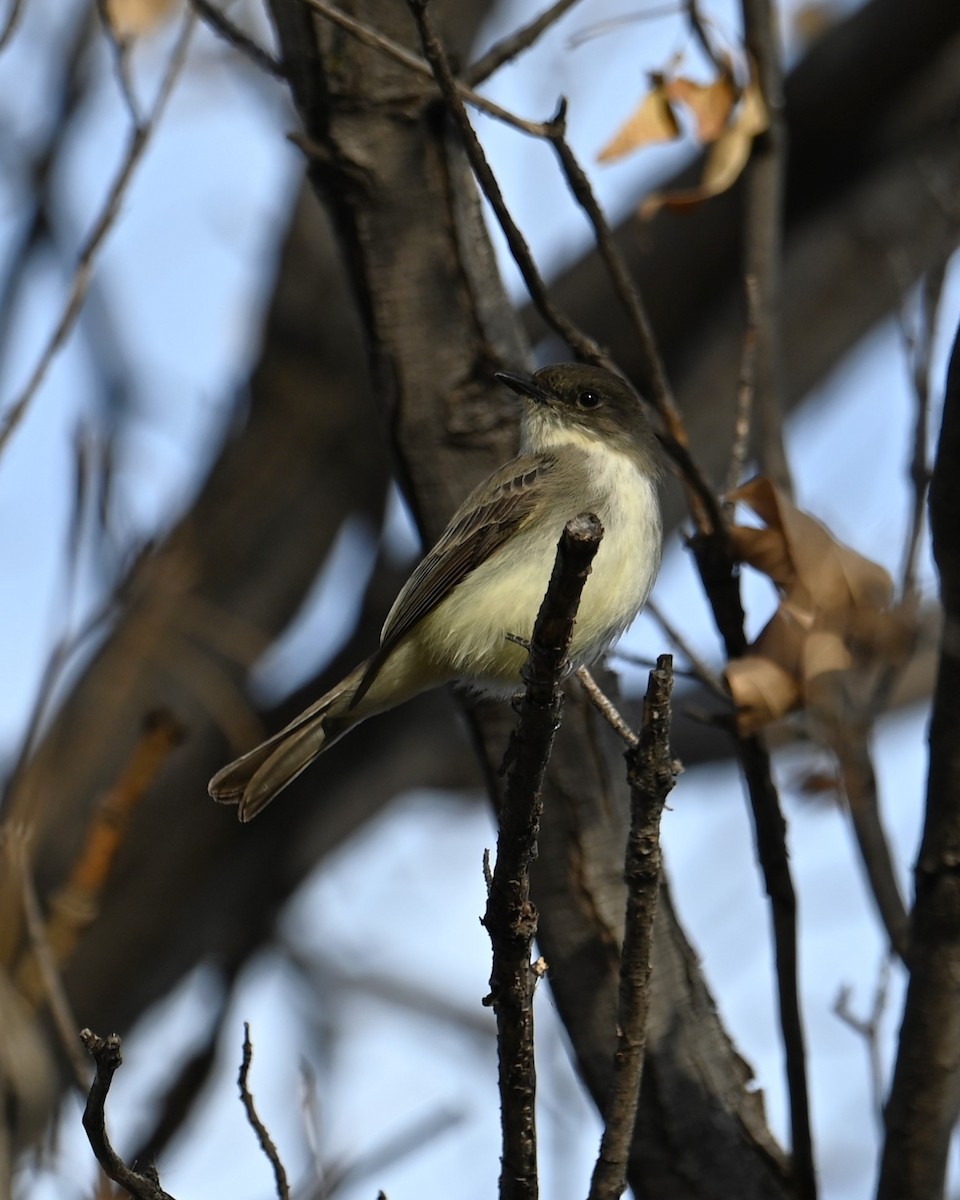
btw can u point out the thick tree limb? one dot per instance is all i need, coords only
(924, 1101)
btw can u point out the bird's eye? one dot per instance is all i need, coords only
(588, 399)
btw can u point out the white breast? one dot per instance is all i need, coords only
(628, 559)
(468, 633)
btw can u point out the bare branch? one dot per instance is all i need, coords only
(263, 1137)
(515, 43)
(850, 744)
(698, 26)
(15, 844)
(746, 391)
(605, 706)
(651, 772)
(379, 41)
(510, 917)
(721, 583)
(700, 669)
(220, 23)
(924, 1100)
(584, 346)
(139, 140)
(869, 1028)
(120, 47)
(919, 349)
(654, 382)
(763, 236)
(10, 25)
(105, 1052)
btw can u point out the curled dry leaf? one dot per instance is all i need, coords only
(134, 18)
(710, 103)
(835, 614)
(653, 121)
(726, 160)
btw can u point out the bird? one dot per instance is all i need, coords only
(466, 611)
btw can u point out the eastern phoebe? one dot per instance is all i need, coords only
(586, 446)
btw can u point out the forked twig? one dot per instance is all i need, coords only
(583, 345)
(105, 1053)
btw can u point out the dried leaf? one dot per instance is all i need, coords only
(819, 574)
(653, 121)
(710, 103)
(834, 615)
(133, 18)
(762, 691)
(726, 160)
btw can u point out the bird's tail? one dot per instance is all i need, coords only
(255, 778)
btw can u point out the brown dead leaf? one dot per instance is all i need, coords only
(818, 573)
(834, 614)
(133, 18)
(654, 121)
(726, 160)
(710, 103)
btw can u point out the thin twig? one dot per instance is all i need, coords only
(601, 28)
(922, 1107)
(105, 1052)
(13, 19)
(746, 391)
(698, 26)
(510, 917)
(763, 236)
(721, 583)
(220, 23)
(920, 350)
(515, 43)
(605, 706)
(654, 383)
(120, 47)
(651, 773)
(700, 669)
(139, 139)
(869, 1029)
(15, 844)
(583, 345)
(263, 1137)
(850, 744)
(379, 41)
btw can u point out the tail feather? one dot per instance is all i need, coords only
(255, 778)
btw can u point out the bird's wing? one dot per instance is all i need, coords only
(489, 515)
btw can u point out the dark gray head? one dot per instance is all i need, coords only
(577, 398)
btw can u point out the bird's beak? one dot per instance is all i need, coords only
(525, 385)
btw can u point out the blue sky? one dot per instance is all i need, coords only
(188, 266)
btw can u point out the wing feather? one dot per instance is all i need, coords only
(489, 515)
